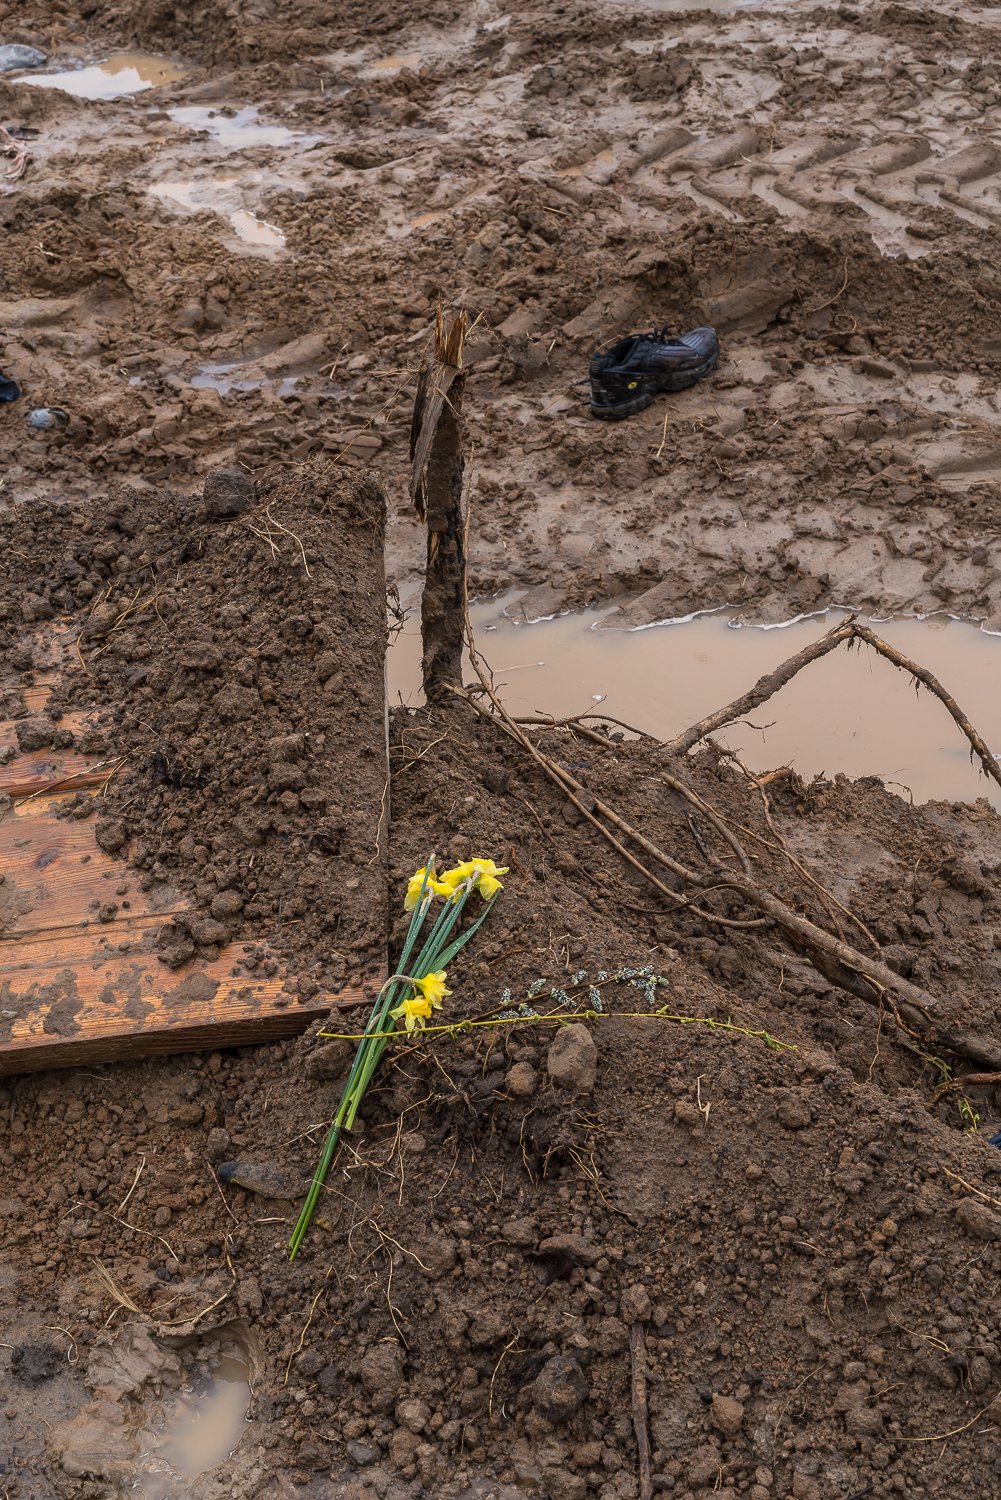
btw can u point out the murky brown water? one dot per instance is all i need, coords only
(203, 1427)
(124, 73)
(851, 711)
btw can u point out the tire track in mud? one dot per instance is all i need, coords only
(822, 183)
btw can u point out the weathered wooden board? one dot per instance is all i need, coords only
(72, 998)
(79, 980)
(35, 771)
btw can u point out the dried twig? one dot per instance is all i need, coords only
(637, 1347)
(841, 963)
(222, 1195)
(11, 146)
(766, 687)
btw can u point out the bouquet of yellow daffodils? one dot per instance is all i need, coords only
(418, 987)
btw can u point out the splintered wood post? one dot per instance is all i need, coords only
(436, 452)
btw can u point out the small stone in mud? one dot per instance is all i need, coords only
(728, 1415)
(793, 1110)
(34, 733)
(413, 1414)
(560, 1388)
(574, 1245)
(207, 932)
(227, 493)
(226, 904)
(329, 1061)
(262, 1178)
(521, 1081)
(110, 834)
(33, 1364)
(14, 56)
(217, 1144)
(382, 1375)
(979, 1220)
(438, 1256)
(573, 1060)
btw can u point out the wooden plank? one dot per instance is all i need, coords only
(66, 1001)
(79, 983)
(56, 876)
(35, 771)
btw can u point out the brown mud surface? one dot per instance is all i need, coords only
(810, 1238)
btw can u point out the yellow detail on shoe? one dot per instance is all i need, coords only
(632, 385)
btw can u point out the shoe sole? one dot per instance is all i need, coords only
(669, 383)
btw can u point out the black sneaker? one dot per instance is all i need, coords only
(627, 378)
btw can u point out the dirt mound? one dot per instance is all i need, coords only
(788, 1225)
(226, 645)
(807, 1238)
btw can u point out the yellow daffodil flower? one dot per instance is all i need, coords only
(416, 1012)
(482, 873)
(432, 987)
(486, 873)
(432, 888)
(452, 880)
(420, 1007)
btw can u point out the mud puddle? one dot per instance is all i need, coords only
(201, 1429)
(124, 73)
(851, 712)
(194, 196)
(220, 377)
(239, 128)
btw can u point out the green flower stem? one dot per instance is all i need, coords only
(437, 952)
(376, 1022)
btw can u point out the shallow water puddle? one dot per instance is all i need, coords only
(850, 711)
(195, 195)
(255, 231)
(395, 64)
(221, 378)
(242, 128)
(124, 73)
(202, 1428)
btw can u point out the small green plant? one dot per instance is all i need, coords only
(418, 987)
(947, 1084)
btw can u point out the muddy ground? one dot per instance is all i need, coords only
(818, 1292)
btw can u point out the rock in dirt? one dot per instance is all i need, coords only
(573, 1245)
(560, 1388)
(227, 493)
(793, 1110)
(521, 1080)
(979, 1220)
(330, 1061)
(14, 56)
(728, 1415)
(110, 834)
(573, 1060)
(382, 1375)
(704, 1464)
(262, 1178)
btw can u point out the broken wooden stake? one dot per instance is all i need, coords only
(436, 452)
